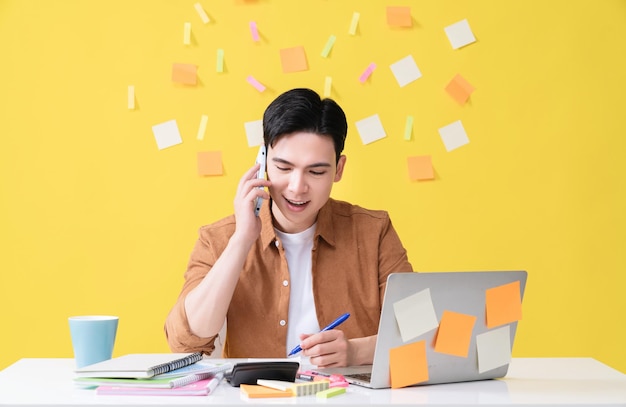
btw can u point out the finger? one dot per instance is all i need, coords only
(250, 174)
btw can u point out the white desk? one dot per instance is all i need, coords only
(530, 382)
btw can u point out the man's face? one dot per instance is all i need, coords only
(302, 169)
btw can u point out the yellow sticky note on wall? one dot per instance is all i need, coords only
(210, 163)
(293, 59)
(186, 74)
(408, 364)
(503, 304)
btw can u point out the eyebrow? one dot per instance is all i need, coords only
(314, 165)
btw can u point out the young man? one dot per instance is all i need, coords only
(305, 260)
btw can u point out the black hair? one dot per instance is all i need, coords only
(303, 110)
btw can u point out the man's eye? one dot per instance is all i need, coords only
(318, 172)
(282, 168)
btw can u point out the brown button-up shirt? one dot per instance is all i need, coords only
(354, 250)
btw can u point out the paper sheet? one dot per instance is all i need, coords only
(405, 71)
(370, 129)
(399, 16)
(415, 315)
(254, 132)
(408, 364)
(493, 348)
(186, 74)
(455, 333)
(459, 89)
(293, 59)
(503, 304)
(453, 136)
(420, 168)
(166, 134)
(460, 34)
(210, 163)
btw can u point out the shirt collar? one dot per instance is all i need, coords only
(325, 227)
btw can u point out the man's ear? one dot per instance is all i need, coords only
(340, 166)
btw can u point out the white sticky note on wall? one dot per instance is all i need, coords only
(166, 134)
(415, 315)
(131, 97)
(187, 34)
(203, 15)
(493, 348)
(405, 71)
(453, 135)
(254, 132)
(370, 129)
(202, 127)
(460, 34)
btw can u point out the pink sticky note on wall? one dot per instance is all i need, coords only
(366, 74)
(257, 85)
(254, 31)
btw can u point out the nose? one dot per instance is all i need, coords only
(297, 183)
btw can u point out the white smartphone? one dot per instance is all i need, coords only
(260, 159)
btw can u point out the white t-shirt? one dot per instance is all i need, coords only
(302, 315)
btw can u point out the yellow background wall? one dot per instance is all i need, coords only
(95, 219)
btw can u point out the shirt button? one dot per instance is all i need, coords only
(285, 283)
(282, 322)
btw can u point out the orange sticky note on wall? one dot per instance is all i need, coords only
(503, 304)
(210, 163)
(420, 168)
(408, 364)
(455, 333)
(459, 89)
(293, 59)
(187, 74)
(399, 16)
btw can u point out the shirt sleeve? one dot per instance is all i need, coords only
(393, 256)
(177, 330)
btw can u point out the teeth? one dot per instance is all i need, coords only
(296, 203)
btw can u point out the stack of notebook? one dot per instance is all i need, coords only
(171, 374)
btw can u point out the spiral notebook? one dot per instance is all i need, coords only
(202, 372)
(139, 365)
(200, 388)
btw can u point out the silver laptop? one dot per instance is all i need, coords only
(460, 292)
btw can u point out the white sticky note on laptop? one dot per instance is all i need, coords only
(493, 348)
(415, 315)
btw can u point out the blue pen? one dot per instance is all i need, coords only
(332, 325)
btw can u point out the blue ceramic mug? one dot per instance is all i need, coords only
(93, 337)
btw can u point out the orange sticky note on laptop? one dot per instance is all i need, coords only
(455, 333)
(408, 364)
(503, 304)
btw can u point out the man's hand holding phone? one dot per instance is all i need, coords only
(261, 159)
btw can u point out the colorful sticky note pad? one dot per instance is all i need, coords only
(415, 315)
(460, 34)
(503, 304)
(293, 59)
(455, 333)
(453, 136)
(399, 16)
(210, 163)
(493, 348)
(166, 134)
(405, 71)
(408, 364)
(420, 168)
(186, 74)
(370, 129)
(459, 89)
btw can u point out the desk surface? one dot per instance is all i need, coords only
(530, 382)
